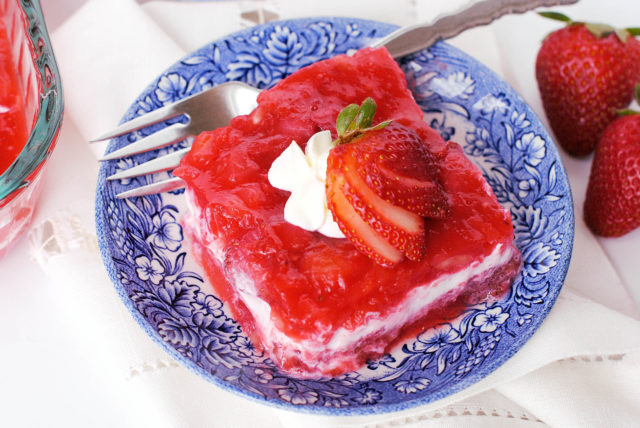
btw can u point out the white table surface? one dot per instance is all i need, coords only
(35, 390)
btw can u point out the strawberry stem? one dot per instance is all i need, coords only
(623, 35)
(354, 120)
(597, 29)
(601, 30)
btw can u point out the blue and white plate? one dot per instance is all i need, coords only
(148, 257)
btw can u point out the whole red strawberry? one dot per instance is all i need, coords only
(381, 184)
(612, 204)
(585, 72)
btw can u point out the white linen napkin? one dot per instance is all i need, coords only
(585, 353)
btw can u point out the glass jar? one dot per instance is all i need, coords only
(40, 83)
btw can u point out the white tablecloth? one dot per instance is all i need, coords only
(58, 370)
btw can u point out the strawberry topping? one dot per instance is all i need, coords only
(355, 229)
(381, 184)
(397, 165)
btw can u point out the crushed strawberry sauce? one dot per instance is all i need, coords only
(13, 123)
(313, 283)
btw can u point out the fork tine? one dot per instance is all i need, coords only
(174, 183)
(162, 138)
(163, 163)
(155, 116)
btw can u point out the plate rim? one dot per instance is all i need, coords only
(488, 368)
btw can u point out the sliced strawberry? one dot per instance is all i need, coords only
(381, 184)
(398, 166)
(365, 238)
(402, 228)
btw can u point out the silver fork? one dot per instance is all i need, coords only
(215, 107)
(207, 110)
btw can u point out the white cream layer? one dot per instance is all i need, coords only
(414, 305)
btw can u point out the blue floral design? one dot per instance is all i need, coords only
(489, 320)
(490, 103)
(480, 352)
(539, 259)
(529, 225)
(177, 332)
(123, 165)
(412, 385)
(207, 304)
(149, 270)
(218, 352)
(298, 397)
(178, 294)
(171, 88)
(532, 147)
(283, 47)
(154, 271)
(455, 85)
(446, 132)
(251, 69)
(369, 396)
(478, 141)
(167, 232)
(434, 339)
(263, 376)
(519, 120)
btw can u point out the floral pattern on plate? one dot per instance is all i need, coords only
(148, 256)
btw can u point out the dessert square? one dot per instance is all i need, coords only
(316, 304)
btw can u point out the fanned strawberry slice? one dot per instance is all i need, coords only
(365, 238)
(397, 165)
(401, 228)
(381, 183)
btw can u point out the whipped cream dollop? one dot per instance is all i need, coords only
(304, 175)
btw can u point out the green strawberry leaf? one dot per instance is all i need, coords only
(366, 113)
(346, 117)
(634, 31)
(556, 16)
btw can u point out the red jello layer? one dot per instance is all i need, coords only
(302, 293)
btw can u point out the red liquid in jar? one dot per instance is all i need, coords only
(13, 122)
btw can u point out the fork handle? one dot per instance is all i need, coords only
(413, 38)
